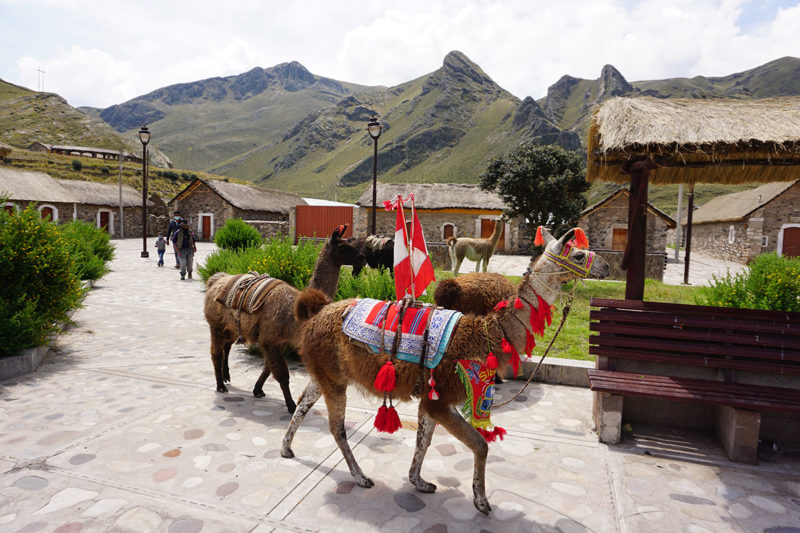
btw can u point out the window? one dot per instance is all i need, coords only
(448, 230)
(49, 212)
(731, 235)
(9, 207)
(764, 241)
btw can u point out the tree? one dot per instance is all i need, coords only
(544, 184)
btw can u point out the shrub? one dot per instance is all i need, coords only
(237, 235)
(90, 247)
(169, 174)
(105, 170)
(39, 286)
(76, 165)
(769, 282)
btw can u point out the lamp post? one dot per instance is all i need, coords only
(144, 136)
(374, 129)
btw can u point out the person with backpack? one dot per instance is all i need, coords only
(174, 225)
(186, 246)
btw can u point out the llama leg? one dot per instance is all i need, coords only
(280, 371)
(218, 359)
(226, 372)
(336, 400)
(453, 422)
(258, 388)
(458, 265)
(424, 435)
(310, 395)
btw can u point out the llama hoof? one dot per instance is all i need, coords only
(482, 504)
(222, 388)
(292, 407)
(423, 486)
(258, 393)
(287, 453)
(365, 482)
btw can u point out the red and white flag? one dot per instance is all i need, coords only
(412, 273)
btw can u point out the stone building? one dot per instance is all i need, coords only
(208, 203)
(444, 209)
(606, 226)
(83, 151)
(67, 200)
(741, 225)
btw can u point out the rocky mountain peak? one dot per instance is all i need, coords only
(612, 83)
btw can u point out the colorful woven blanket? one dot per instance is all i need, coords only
(365, 320)
(247, 292)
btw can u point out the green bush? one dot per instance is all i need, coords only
(76, 165)
(278, 258)
(39, 286)
(237, 235)
(769, 282)
(105, 170)
(90, 248)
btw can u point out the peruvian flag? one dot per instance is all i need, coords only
(412, 273)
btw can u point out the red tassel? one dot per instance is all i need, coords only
(392, 421)
(580, 238)
(499, 432)
(515, 364)
(491, 361)
(539, 240)
(517, 303)
(380, 418)
(384, 381)
(545, 312)
(500, 305)
(488, 436)
(507, 348)
(530, 343)
(432, 394)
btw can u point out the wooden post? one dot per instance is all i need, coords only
(633, 261)
(688, 237)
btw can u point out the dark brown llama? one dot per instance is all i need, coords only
(333, 361)
(273, 326)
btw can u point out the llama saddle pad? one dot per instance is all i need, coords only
(247, 292)
(365, 319)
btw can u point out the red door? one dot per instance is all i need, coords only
(206, 225)
(104, 219)
(791, 242)
(9, 208)
(47, 213)
(487, 228)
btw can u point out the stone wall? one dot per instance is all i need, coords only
(729, 241)
(203, 200)
(600, 224)
(653, 267)
(271, 228)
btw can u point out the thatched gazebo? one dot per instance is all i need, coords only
(687, 141)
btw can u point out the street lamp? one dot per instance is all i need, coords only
(144, 136)
(374, 129)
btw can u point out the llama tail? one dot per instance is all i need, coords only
(447, 293)
(308, 303)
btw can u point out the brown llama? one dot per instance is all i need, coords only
(478, 250)
(333, 361)
(273, 326)
(475, 293)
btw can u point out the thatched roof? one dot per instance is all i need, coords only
(92, 193)
(25, 185)
(696, 141)
(434, 196)
(247, 197)
(624, 192)
(737, 205)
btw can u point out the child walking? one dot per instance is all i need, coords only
(161, 246)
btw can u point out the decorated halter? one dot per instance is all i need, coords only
(562, 259)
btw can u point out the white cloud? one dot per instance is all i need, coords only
(524, 45)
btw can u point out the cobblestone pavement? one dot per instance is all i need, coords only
(120, 429)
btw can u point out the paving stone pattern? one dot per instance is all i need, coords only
(120, 429)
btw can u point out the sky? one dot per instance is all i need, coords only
(104, 52)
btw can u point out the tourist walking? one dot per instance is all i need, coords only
(161, 247)
(174, 225)
(185, 244)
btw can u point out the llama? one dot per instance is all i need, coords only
(333, 361)
(378, 252)
(475, 293)
(274, 325)
(478, 250)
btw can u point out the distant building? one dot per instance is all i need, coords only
(741, 225)
(83, 151)
(208, 203)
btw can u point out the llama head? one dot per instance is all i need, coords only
(342, 251)
(564, 260)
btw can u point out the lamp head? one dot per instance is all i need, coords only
(144, 135)
(374, 128)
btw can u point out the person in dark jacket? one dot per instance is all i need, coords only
(174, 225)
(185, 244)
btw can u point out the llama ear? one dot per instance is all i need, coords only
(566, 238)
(543, 237)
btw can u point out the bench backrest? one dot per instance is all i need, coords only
(718, 337)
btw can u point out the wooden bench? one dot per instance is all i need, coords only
(742, 361)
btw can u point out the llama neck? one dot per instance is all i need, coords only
(498, 229)
(516, 323)
(326, 273)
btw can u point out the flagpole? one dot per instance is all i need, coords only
(410, 245)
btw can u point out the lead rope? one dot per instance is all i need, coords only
(564, 315)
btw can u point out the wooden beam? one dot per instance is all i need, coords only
(633, 260)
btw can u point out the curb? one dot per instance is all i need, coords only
(29, 359)
(557, 371)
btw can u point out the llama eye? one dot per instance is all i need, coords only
(579, 255)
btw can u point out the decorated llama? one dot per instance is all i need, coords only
(476, 342)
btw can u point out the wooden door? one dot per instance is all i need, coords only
(448, 231)
(619, 238)
(46, 213)
(105, 220)
(9, 208)
(791, 242)
(206, 227)
(487, 228)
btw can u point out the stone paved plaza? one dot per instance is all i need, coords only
(120, 429)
